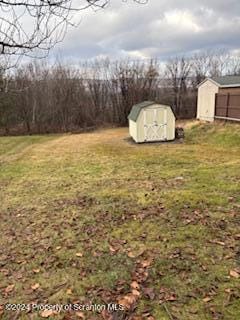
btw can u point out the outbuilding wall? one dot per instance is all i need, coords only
(228, 106)
(229, 90)
(170, 123)
(206, 101)
(133, 130)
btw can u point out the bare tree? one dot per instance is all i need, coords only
(233, 67)
(218, 63)
(27, 25)
(132, 82)
(42, 98)
(178, 71)
(200, 67)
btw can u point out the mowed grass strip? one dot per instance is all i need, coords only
(83, 218)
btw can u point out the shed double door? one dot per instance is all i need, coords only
(155, 124)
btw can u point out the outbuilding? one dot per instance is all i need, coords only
(219, 98)
(150, 121)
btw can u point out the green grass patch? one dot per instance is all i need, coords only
(83, 216)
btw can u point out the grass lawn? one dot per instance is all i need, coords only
(94, 219)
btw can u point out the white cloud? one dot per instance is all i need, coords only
(158, 29)
(183, 20)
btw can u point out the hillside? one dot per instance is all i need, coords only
(96, 218)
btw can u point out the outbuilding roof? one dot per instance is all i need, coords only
(225, 81)
(136, 109)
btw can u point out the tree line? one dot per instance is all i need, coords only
(43, 98)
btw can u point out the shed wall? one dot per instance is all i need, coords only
(228, 106)
(229, 90)
(206, 101)
(170, 123)
(133, 129)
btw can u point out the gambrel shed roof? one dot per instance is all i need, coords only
(136, 109)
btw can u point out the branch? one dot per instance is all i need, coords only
(27, 25)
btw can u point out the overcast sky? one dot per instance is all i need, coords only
(161, 28)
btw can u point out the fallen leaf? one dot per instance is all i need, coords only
(79, 254)
(146, 263)
(5, 272)
(58, 248)
(123, 302)
(228, 290)
(229, 256)
(179, 178)
(69, 292)
(113, 250)
(135, 285)
(9, 288)
(35, 286)
(80, 315)
(36, 270)
(221, 243)
(136, 253)
(207, 299)
(204, 268)
(128, 300)
(47, 313)
(234, 274)
(131, 255)
(136, 293)
(171, 297)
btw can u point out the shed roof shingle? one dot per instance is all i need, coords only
(227, 81)
(136, 109)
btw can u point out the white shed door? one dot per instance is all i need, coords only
(155, 124)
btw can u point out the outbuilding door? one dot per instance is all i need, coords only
(155, 124)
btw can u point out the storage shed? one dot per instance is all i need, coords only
(219, 98)
(150, 121)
